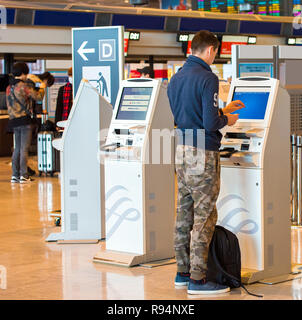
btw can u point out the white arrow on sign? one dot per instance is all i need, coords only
(81, 50)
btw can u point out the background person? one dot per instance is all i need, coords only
(193, 95)
(146, 72)
(19, 95)
(64, 100)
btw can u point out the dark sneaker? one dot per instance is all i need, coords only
(182, 279)
(14, 179)
(206, 287)
(25, 179)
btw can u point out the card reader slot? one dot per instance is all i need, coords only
(125, 132)
(236, 135)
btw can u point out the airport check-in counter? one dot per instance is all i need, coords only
(82, 176)
(139, 176)
(254, 200)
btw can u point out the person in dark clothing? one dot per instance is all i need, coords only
(64, 100)
(19, 95)
(193, 96)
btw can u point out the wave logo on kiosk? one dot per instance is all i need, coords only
(130, 214)
(3, 276)
(240, 227)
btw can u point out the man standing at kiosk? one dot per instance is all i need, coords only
(193, 96)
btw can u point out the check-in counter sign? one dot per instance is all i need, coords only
(107, 50)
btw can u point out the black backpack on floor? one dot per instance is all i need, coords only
(224, 259)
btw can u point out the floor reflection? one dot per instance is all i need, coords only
(41, 270)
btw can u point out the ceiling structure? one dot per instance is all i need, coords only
(124, 7)
(68, 4)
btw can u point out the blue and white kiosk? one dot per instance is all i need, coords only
(254, 200)
(82, 176)
(139, 176)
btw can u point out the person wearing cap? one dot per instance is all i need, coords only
(146, 72)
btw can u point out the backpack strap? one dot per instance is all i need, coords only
(19, 102)
(231, 276)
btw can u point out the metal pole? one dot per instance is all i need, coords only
(299, 179)
(294, 179)
(8, 62)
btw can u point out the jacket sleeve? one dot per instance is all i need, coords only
(212, 121)
(30, 91)
(59, 108)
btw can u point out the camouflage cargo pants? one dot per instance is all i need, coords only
(196, 209)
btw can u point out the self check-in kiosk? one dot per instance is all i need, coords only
(278, 61)
(254, 200)
(82, 177)
(139, 176)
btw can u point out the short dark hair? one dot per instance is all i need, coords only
(202, 40)
(20, 68)
(50, 78)
(147, 70)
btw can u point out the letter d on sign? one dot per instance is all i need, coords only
(3, 282)
(107, 50)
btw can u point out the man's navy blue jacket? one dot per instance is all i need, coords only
(193, 96)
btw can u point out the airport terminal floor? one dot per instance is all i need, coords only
(40, 270)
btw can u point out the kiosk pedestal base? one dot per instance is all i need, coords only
(84, 241)
(249, 276)
(129, 259)
(282, 278)
(119, 258)
(59, 238)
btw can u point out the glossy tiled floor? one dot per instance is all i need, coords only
(39, 270)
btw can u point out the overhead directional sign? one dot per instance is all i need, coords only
(98, 56)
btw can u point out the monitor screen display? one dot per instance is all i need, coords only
(255, 100)
(134, 103)
(256, 69)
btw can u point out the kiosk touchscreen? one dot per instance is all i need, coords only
(139, 176)
(134, 104)
(254, 200)
(255, 99)
(82, 177)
